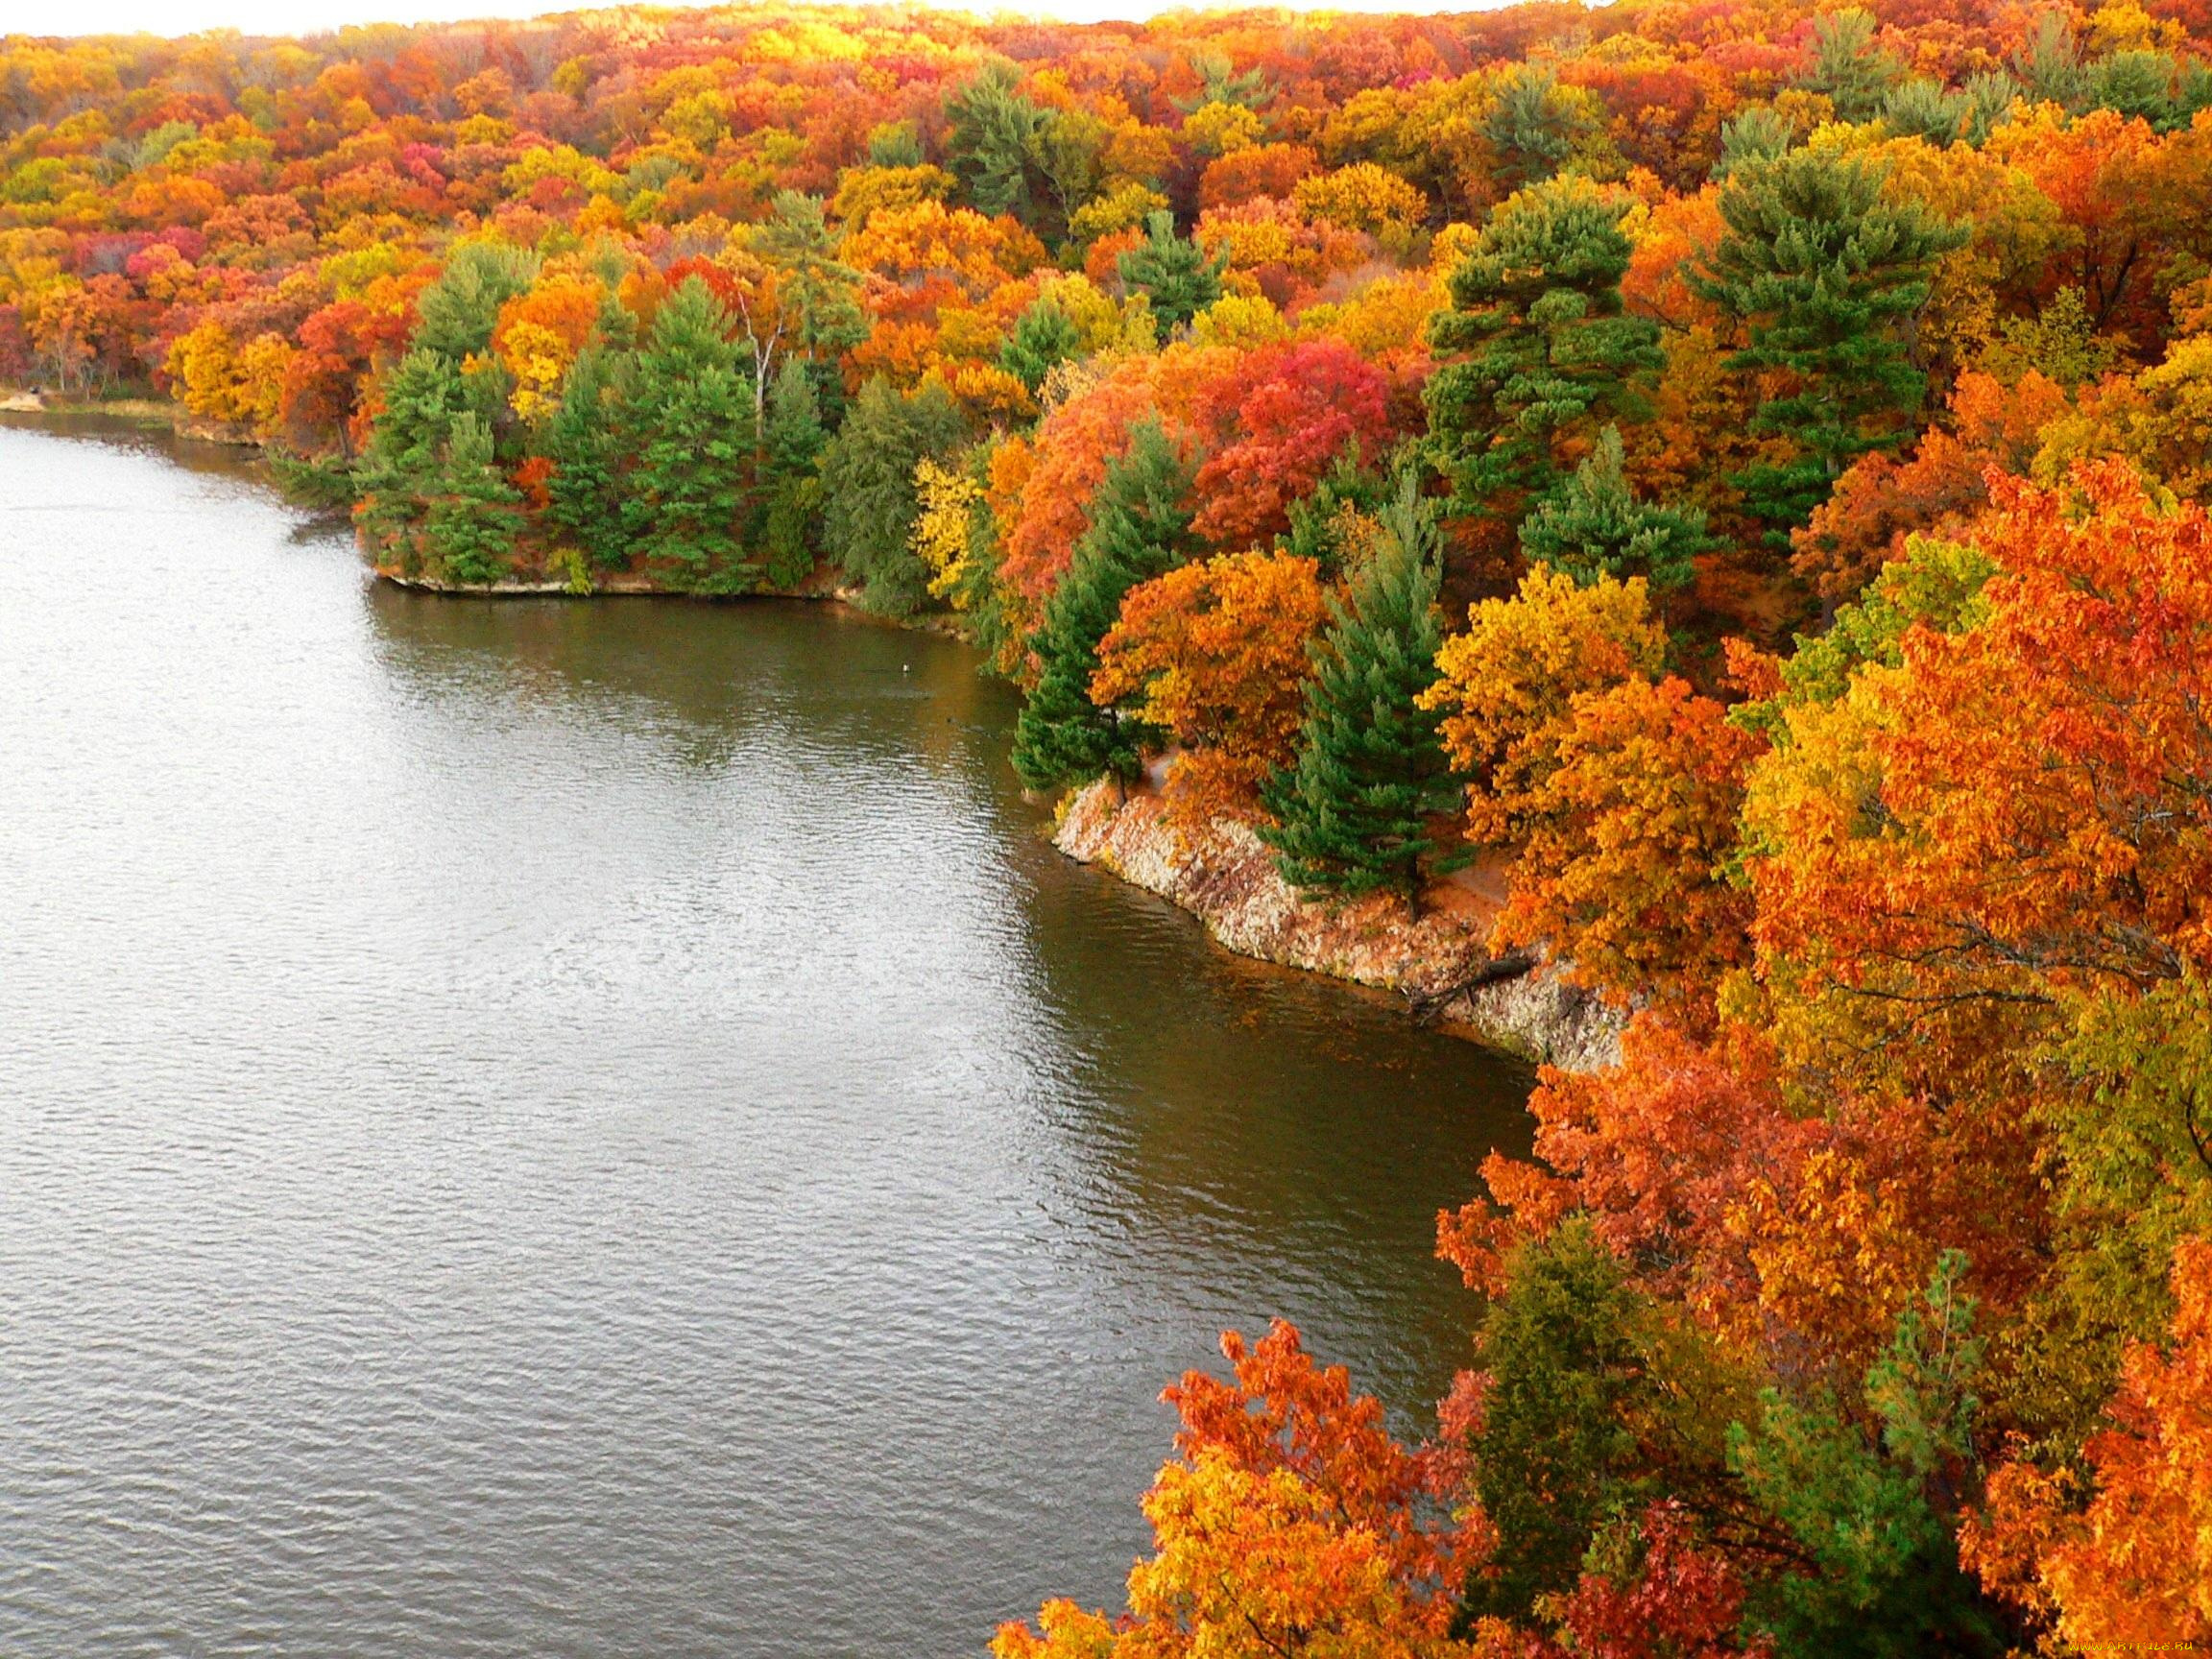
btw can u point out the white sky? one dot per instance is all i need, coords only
(305, 16)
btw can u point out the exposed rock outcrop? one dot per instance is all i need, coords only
(1225, 876)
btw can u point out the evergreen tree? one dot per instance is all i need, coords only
(1756, 136)
(1175, 275)
(476, 515)
(1870, 1499)
(1848, 68)
(687, 435)
(869, 503)
(459, 311)
(1593, 526)
(792, 503)
(1352, 811)
(580, 442)
(1546, 350)
(403, 465)
(1823, 275)
(1535, 125)
(1140, 529)
(993, 142)
(1043, 336)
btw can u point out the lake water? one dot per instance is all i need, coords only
(537, 1128)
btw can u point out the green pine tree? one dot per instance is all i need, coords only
(687, 436)
(1593, 526)
(869, 504)
(403, 463)
(1352, 811)
(1870, 1497)
(474, 519)
(1140, 529)
(1823, 275)
(1042, 337)
(1849, 67)
(792, 505)
(1175, 275)
(1542, 347)
(580, 442)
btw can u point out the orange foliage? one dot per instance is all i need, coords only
(2133, 1569)
(1215, 656)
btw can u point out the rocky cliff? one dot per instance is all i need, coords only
(1439, 962)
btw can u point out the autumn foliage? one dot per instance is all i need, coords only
(1741, 468)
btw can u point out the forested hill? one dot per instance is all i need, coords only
(1739, 468)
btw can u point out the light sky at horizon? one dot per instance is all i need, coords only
(310, 16)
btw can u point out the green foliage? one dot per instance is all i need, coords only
(1536, 125)
(327, 483)
(1140, 529)
(819, 288)
(687, 438)
(2132, 1121)
(2059, 342)
(460, 309)
(1848, 66)
(1924, 108)
(1353, 812)
(1597, 1404)
(1863, 1498)
(1175, 275)
(579, 440)
(1591, 525)
(2048, 62)
(1317, 521)
(1536, 311)
(1043, 336)
(869, 504)
(1015, 155)
(403, 461)
(1757, 136)
(1824, 275)
(476, 517)
(895, 144)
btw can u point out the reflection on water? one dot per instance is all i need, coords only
(547, 1128)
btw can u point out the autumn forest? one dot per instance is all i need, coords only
(1741, 468)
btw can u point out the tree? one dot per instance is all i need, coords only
(1214, 655)
(1506, 685)
(1178, 278)
(1629, 834)
(2131, 1567)
(1543, 352)
(1042, 337)
(1848, 68)
(579, 440)
(686, 432)
(1353, 812)
(1577, 1415)
(869, 503)
(1593, 525)
(1823, 275)
(1140, 529)
(1290, 1524)
(1865, 1499)
(1280, 417)
(474, 519)
(793, 440)
(404, 461)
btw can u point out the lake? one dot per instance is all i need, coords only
(537, 1127)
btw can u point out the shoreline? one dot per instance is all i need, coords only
(1440, 963)
(1221, 875)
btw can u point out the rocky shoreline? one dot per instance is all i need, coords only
(1439, 963)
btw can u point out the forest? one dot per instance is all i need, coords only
(1741, 464)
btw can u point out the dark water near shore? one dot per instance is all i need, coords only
(540, 1128)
